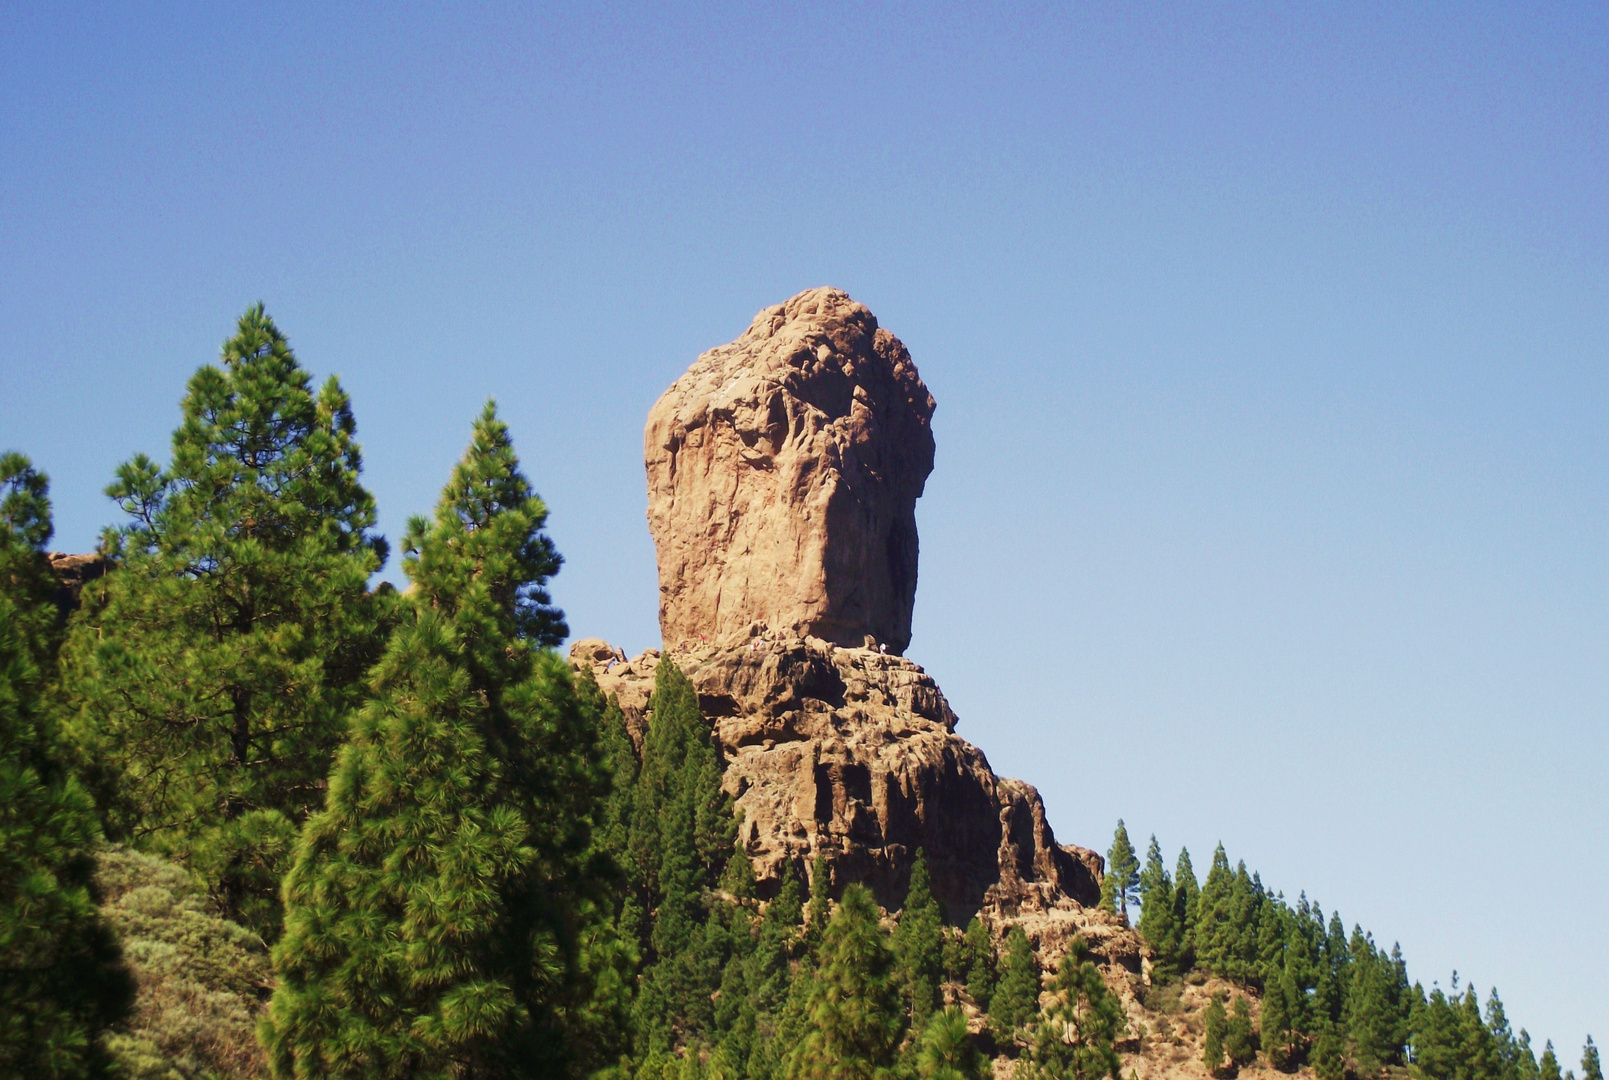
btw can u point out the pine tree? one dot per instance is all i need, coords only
(1212, 1049)
(1122, 879)
(1076, 1033)
(1275, 1023)
(979, 963)
(62, 983)
(854, 1009)
(1548, 1068)
(1591, 1064)
(210, 675)
(919, 946)
(1186, 904)
(435, 906)
(1016, 995)
(1213, 933)
(1156, 911)
(25, 574)
(1240, 1037)
(820, 909)
(947, 1051)
(682, 838)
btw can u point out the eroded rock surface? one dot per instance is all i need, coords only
(852, 754)
(783, 474)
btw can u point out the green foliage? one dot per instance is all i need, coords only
(1157, 923)
(682, 835)
(919, 947)
(1016, 996)
(62, 982)
(1548, 1069)
(210, 674)
(947, 1051)
(1121, 883)
(820, 906)
(201, 978)
(25, 577)
(979, 956)
(1591, 1063)
(1240, 1037)
(1076, 1033)
(437, 904)
(854, 1008)
(1212, 1048)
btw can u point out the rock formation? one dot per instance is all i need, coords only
(783, 471)
(783, 474)
(852, 754)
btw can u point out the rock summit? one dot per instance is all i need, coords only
(783, 474)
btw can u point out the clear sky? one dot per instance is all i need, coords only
(1270, 345)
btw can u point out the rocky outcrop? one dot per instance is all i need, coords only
(851, 754)
(783, 474)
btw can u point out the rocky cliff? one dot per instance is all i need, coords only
(783, 471)
(783, 474)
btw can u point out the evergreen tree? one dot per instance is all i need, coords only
(1277, 1034)
(1121, 882)
(1212, 1048)
(1186, 904)
(820, 907)
(1240, 1037)
(210, 676)
(1016, 995)
(683, 832)
(856, 1020)
(979, 963)
(25, 575)
(1156, 914)
(1548, 1068)
(1591, 1063)
(919, 946)
(434, 908)
(1076, 1033)
(947, 1051)
(1213, 933)
(61, 980)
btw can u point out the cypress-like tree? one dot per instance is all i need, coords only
(1156, 913)
(1016, 995)
(1548, 1067)
(1591, 1063)
(61, 980)
(820, 909)
(919, 946)
(1213, 933)
(1276, 1034)
(683, 832)
(1186, 903)
(1212, 1048)
(856, 1019)
(1240, 1037)
(210, 675)
(1122, 881)
(979, 952)
(1076, 1033)
(434, 910)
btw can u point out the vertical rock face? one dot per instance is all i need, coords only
(783, 474)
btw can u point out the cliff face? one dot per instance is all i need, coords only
(783, 472)
(852, 754)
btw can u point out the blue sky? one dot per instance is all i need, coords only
(1270, 345)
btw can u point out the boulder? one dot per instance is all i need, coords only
(783, 474)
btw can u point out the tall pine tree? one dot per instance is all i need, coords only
(61, 981)
(435, 906)
(211, 673)
(919, 946)
(1016, 995)
(1076, 1033)
(1122, 881)
(855, 1014)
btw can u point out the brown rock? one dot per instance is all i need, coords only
(852, 754)
(72, 573)
(783, 474)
